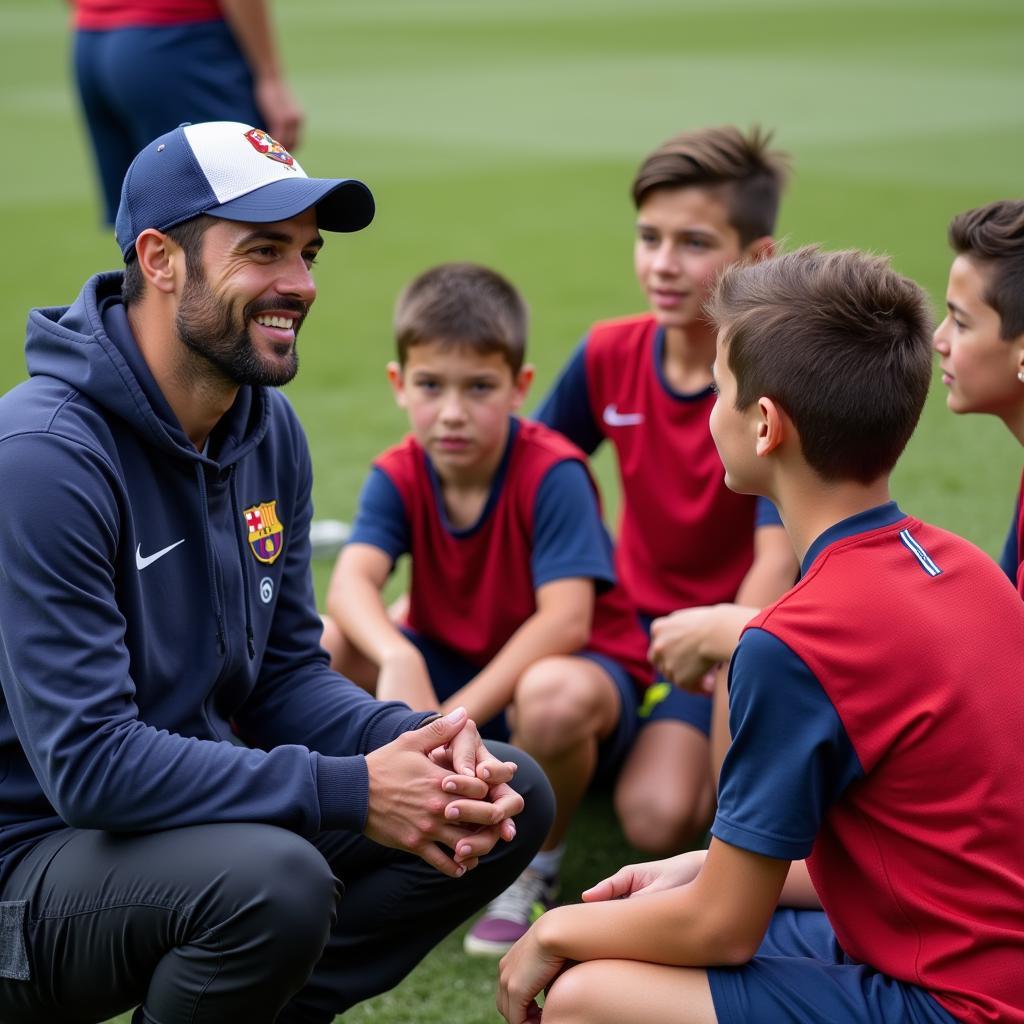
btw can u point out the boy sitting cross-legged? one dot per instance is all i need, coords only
(513, 608)
(875, 711)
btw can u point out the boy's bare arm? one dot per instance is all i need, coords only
(355, 603)
(560, 625)
(718, 919)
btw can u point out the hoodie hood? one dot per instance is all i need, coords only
(89, 346)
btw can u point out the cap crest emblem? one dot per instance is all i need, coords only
(263, 143)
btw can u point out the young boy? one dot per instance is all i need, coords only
(981, 340)
(513, 609)
(875, 707)
(704, 200)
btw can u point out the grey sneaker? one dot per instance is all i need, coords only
(508, 918)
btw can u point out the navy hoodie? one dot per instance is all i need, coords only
(144, 606)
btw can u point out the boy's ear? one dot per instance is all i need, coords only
(396, 379)
(158, 259)
(760, 249)
(772, 424)
(524, 378)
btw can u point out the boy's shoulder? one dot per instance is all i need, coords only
(624, 331)
(400, 461)
(407, 448)
(535, 440)
(898, 585)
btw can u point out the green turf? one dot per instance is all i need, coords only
(507, 132)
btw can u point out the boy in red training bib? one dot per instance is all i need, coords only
(514, 612)
(875, 711)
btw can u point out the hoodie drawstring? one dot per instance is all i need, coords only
(243, 561)
(208, 548)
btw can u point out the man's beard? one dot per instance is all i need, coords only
(209, 328)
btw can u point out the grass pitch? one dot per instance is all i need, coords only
(507, 132)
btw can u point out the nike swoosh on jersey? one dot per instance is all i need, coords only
(141, 560)
(614, 418)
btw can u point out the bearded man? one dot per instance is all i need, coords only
(198, 818)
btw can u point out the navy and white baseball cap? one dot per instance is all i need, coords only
(234, 171)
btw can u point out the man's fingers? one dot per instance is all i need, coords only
(437, 858)
(465, 786)
(476, 845)
(475, 812)
(504, 802)
(494, 771)
(507, 800)
(464, 749)
(439, 732)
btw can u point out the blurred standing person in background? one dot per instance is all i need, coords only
(142, 67)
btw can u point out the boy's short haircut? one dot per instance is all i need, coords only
(462, 304)
(841, 342)
(994, 236)
(751, 175)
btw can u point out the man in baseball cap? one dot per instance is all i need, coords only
(226, 169)
(197, 817)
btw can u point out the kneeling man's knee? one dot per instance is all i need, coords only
(285, 897)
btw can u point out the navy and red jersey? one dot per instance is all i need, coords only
(876, 714)
(105, 15)
(471, 589)
(1012, 556)
(1020, 537)
(684, 538)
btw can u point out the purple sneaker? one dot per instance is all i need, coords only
(508, 918)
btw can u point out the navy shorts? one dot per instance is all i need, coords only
(664, 702)
(450, 671)
(137, 83)
(800, 975)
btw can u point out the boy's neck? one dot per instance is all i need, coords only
(1016, 424)
(809, 505)
(686, 361)
(465, 489)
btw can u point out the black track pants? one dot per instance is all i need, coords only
(238, 922)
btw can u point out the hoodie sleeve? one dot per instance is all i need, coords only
(298, 698)
(67, 676)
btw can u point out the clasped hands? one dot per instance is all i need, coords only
(440, 794)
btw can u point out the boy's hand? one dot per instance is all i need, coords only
(523, 973)
(410, 810)
(677, 643)
(654, 876)
(403, 676)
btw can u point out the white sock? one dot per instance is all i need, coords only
(549, 862)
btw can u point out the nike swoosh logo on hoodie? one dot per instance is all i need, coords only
(141, 561)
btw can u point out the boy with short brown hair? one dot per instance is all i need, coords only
(704, 200)
(862, 740)
(513, 604)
